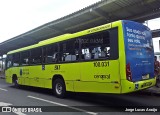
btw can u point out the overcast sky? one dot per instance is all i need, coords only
(20, 16)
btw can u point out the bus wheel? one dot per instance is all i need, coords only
(59, 88)
(15, 82)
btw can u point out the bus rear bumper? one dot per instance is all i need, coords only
(128, 86)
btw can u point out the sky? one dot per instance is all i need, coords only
(20, 16)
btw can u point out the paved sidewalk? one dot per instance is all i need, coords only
(153, 91)
(2, 76)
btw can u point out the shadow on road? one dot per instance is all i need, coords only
(92, 98)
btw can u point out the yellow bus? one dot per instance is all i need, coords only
(116, 58)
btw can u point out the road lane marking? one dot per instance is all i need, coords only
(4, 104)
(3, 89)
(60, 104)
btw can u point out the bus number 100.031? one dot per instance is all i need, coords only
(101, 64)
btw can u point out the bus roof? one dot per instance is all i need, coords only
(43, 43)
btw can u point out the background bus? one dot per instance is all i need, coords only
(113, 58)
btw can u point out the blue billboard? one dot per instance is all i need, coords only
(139, 50)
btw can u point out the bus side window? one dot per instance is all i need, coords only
(25, 58)
(9, 61)
(51, 55)
(107, 50)
(96, 46)
(16, 59)
(69, 50)
(36, 56)
(86, 54)
(96, 55)
(55, 57)
(104, 52)
(76, 54)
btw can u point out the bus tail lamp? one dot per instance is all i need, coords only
(128, 72)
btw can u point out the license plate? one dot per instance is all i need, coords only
(145, 76)
(146, 84)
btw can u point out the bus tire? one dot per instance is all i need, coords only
(15, 81)
(59, 88)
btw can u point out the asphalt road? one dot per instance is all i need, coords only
(37, 99)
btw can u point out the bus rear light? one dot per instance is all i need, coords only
(128, 72)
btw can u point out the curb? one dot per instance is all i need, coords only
(155, 91)
(2, 77)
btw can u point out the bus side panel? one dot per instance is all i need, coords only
(99, 76)
(13, 71)
(68, 71)
(24, 74)
(121, 47)
(36, 76)
(8, 75)
(97, 87)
